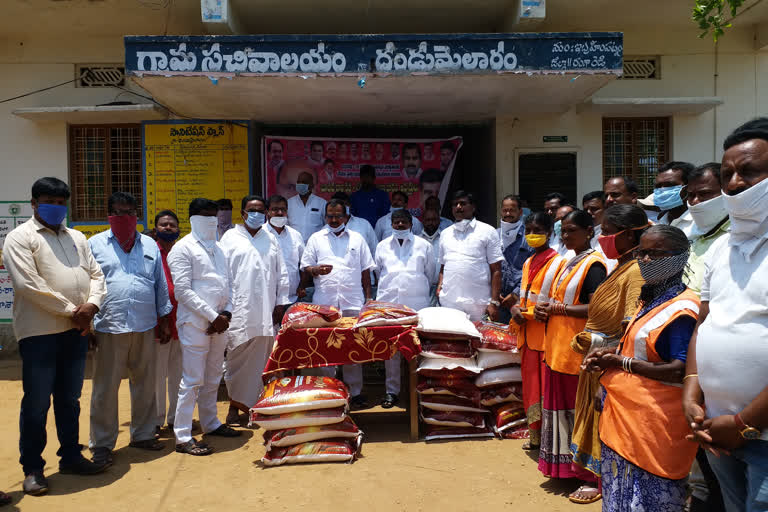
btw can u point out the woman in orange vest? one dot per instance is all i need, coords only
(613, 305)
(539, 272)
(564, 315)
(645, 456)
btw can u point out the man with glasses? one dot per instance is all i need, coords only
(137, 300)
(338, 260)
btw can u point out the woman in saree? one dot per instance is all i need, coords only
(539, 272)
(612, 306)
(645, 457)
(564, 315)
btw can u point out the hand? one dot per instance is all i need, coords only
(541, 311)
(723, 431)
(602, 360)
(694, 414)
(277, 315)
(493, 312)
(219, 325)
(509, 301)
(165, 330)
(301, 292)
(517, 315)
(320, 270)
(82, 316)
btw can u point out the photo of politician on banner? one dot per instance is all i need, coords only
(419, 167)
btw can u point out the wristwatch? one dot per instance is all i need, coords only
(495, 303)
(747, 432)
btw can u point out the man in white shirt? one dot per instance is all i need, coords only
(339, 261)
(305, 209)
(406, 266)
(470, 262)
(725, 396)
(259, 282)
(290, 242)
(202, 288)
(384, 224)
(668, 196)
(358, 224)
(431, 234)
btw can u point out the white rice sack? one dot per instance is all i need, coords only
(446, 321)
(499, 376)
(496, 358)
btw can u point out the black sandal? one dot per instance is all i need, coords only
(225, 431)
(152, 445)
(192, 447)
(389, 401)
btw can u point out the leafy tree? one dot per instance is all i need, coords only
(709, 15)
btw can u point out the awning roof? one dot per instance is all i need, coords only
(94, 114)
(652, 107)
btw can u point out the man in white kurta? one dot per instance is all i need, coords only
(291, 243)
(259, 286)
(338, 260)
(384, 224)
(406, 266)
(470, 259)
(306, 211)
(431, 234)
(202, 288)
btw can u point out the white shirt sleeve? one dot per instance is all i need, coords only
(180, 262)
(441, 252)
(309, 257)
(430, 268)
(280, 270)
(366, 260)
(705, 283)
(493, 250)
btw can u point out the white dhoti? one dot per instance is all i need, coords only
(168, 370)
(392, 372)
(244, 367)
(202, 356)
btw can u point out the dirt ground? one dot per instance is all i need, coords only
(393, 474)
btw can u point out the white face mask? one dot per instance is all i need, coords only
(402, 234)
(204, 229)
(278, 222)
(749, 224)
(393, 209)
(336, 230)
(708, 214)
(462, 225)
(509, 232)
(428, 237)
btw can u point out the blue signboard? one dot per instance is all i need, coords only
(596, 52)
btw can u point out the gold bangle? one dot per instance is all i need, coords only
(690, 375)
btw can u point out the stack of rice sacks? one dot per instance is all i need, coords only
(500, 381)
(449, 398)
(306, 419)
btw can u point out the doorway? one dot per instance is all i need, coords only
(542, 173)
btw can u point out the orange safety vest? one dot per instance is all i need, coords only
(561, 329)
(532, 331)
(643, 419)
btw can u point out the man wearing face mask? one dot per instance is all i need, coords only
(291, 244)
(305, 209)
(594, 204)
(358, 224)
(668, 193)
(384, 224)
(259, 282)
(137, 300)
(55, 301)
(707, 207)
(725, 396)
(339, 261)
(515, 250)
(470, 262)
(224, 216)
(202, 288)
(431, 234)
(555, 241)
(406, 266)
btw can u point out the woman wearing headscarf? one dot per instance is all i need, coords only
(645, 457)
(613, 305)
(539, 272)
(564, 315)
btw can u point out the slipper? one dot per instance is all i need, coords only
(585, 501)
(530, 447)
(225, 431)
(192, 447)
(152, 445)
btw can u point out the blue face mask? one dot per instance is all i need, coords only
(668, 198)
(302, 189)
(558, 229)
(52, 214)
(393, 209)
(255, 220)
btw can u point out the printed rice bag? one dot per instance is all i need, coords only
(305, 316)
(445, 323)
(509, 416)
(446, 348)
(297, 419)
(301, 393)
(497, 359)
(495, 336)
(502, 394)
(438, 367)
(453, 418)
(450, 403)
(293, 436)
(462, 388)
(435, 433)
(330, 450)
(499, 376)
(386, 313)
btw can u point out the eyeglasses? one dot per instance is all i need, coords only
(654, 254)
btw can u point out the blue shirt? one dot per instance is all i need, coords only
(370, 204)
(674, 339)
(512, 267)
(137, 293)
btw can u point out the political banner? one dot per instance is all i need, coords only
(419, 167)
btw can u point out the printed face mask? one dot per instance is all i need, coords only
(668, 198)
(536, 240)
(658, 271)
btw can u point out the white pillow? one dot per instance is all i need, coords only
(446, 321)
